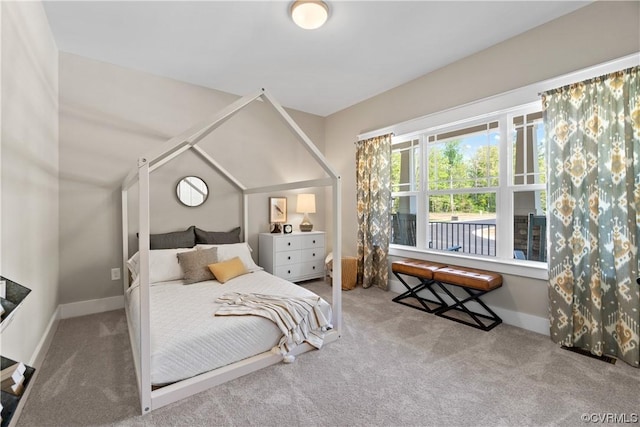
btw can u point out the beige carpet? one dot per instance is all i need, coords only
(394, 366)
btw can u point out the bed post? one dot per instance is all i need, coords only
(337, 258)
(245, 217)
(125, 240)
(145, 322)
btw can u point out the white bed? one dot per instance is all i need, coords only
(156, 322)
(187, 339)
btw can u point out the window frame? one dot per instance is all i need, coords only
(414, 191)
(503, 261)
(511, 187)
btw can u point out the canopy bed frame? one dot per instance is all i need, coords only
(188, 140)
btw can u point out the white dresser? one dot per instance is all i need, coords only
(295, 257)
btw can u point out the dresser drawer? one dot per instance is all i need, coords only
(312, 268)
(312, 241)
(307, 255)
(289, 272)
(289, 243)
(289, 257)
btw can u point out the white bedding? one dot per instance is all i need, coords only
(187, 339)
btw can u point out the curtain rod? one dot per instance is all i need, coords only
(590, 79)
(364, 139)
(499, 101)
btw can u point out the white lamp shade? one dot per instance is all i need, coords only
(309, 14)
(306, 203)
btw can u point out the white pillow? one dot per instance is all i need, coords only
(229, 251)
(163, 265)
(132, 264)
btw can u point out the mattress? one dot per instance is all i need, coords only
(187, 339)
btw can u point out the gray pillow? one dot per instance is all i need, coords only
(176, 239)
(218, 237)
(195, 264)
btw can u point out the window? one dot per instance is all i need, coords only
(405, 185)
(528, 185)
(467, 187)
(463, 177)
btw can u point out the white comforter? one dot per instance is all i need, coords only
(187, 339)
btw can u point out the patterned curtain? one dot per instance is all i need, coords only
(373, 189)
(593, 134)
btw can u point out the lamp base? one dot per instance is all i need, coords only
(306, 227)
(276, 228)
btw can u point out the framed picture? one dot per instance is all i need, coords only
(277, 209)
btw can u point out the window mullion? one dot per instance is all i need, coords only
(422, 211)
(504, 211)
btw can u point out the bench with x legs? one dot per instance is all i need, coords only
(434, 276)
(423, 271)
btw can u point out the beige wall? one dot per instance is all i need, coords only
(29, 192)
(594, 34)
(110, 116)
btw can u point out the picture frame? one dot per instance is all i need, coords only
(277, 209)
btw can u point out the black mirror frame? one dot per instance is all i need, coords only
(206, 196)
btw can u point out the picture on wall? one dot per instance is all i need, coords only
(277, 209)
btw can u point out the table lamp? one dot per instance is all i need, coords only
(306, 205)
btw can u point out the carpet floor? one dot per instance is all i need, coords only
(393, 366)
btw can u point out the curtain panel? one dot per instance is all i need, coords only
(373, 191)
(592, 131)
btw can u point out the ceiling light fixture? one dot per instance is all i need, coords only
(309, 14)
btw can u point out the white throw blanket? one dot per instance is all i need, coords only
(299, 318)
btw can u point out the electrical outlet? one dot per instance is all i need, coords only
(115, 274)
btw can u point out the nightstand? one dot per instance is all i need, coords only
(295, 257)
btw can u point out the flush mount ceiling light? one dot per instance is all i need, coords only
(309, 14)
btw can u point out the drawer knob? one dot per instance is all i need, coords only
(314, 267)
(288, 243)
(288, 271)
(314, 254)
(314, 241)
(288, 257)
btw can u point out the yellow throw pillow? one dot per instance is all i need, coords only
(229, 269)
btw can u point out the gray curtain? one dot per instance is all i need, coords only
(373, 189)
(593, 136)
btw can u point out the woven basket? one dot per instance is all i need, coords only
(349, 272)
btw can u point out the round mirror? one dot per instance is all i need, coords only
(192, 191)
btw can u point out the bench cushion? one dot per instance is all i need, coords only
(468, 277)
(416, 268)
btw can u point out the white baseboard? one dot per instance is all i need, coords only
(83, 308)
(523, 320)
(43, 346)
(514, 318)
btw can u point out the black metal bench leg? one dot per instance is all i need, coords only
(476, 298)
(459, 305)
(412, 292)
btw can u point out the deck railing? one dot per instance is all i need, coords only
(468, 237)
